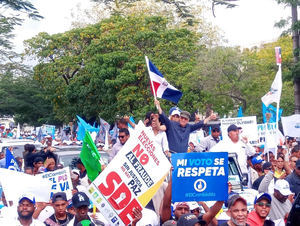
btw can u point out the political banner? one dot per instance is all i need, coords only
(131, 179)
(15, 184)
(248, 125)
(60, 181)
(291, 125)
(263, 129)
(202, 174)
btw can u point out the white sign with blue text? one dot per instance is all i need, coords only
(200, 176)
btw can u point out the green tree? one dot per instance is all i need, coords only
(22, 97)
(101, 69)
(13, 13)
(295, 28)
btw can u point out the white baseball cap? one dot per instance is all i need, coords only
(283, 187)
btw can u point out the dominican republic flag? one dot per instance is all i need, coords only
(159, 85)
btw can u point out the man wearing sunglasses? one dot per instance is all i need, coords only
(178, 133)
(262, 207)
(123, 137)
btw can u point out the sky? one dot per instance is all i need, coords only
(249, 24)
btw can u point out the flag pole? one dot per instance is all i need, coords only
(152, 86)
(147, 63)
(278, 62)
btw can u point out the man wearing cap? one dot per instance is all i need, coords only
(189, 219)
(81, 204)
(294, 179)
(237, 208)
(178, 133)
(235, 145)
(262, 207)
(208, 142)
(25, 211)
(174, 114)
(60, 216)
(280, 205)
(267, 166)
(255, 169)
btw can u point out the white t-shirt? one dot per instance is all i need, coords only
(241, 149)
(16, 222)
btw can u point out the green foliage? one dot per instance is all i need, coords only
(12, 15)
(22, 98)
(101, 69)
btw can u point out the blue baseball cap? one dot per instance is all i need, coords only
(256, 160)
(262, 196)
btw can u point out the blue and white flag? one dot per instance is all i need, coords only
(240, 112)
(159, 85)
(272, 113)
(11, 162)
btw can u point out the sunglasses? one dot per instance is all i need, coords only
(215, 130)
(264, 204)
(183, 118)
(121, 137)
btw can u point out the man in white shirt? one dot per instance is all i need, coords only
(235, 145)
(25, 211)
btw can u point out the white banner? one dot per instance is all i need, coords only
(263, 129)
(131, 178)
(291, 125)
(60, 181)
(248, 125)
(15, 184)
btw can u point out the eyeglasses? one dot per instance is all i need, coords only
(215, 130)
(121, 137)
(183, 118)
(264, 204)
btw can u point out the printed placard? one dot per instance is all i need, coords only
(248, 125)
(131, 179)
(61, 181)
(204, 176)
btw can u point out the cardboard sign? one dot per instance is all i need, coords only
(131, 179)
(60, 180)
(291, 125)
(248, 125)
(204, 176)
(15, 184)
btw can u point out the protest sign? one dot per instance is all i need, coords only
(248, 125)
(202, 174)
(15, 184)
(131, 178)
(262, 129)
(291, 125)
(60, 181)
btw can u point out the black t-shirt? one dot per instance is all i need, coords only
(257, 182)
(52, 219)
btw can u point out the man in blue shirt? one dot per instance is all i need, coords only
(178, 133)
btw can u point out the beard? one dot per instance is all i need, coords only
(236, 223)
(25, 217)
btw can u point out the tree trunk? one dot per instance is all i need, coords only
(296, 58)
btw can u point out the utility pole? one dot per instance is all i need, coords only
(296, 55)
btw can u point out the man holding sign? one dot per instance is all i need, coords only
(203, 174)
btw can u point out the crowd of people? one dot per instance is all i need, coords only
(275, 175)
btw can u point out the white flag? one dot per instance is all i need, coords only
(291, 125)
(275, 91)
